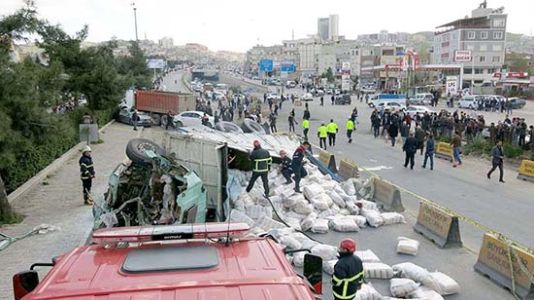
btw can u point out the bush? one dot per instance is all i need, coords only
(512, 151)
(478, 146)
(444, 139)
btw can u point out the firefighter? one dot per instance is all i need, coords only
(322, 133)
(261, 164)
(285, 166)
(348, 272)
(350, 129)
(297, 164)
(332, 131)
(87, 174)
(305, 128)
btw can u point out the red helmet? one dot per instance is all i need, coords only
(349, 245)
(256, 143)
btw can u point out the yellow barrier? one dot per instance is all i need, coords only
(387, 196)
(526, 170)
(348, 169)
(444, 151)
(439, 226)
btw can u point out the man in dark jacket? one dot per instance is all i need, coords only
(87, 174)
(393, 132)
(420, 137)
(297, 164)
(429, 152)
(348, 272)
(285, 166)
(261, 164)
(497, 161)
(410, 147)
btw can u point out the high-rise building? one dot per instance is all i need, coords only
(483, 34)
(328, 28)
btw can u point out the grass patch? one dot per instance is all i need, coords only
(478, 146)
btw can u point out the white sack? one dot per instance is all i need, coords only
(240, 217)
(344, 212)
(407, 246)
(298, 259)
(378, 270)
(348, 187)
(320, 226)
(311, 190)
(293, 222)
(257, 211)
(401, 287)
(426, 294)
(327, 213)
(448, 286)
(367, 204)
(368, 292)
(307, 223)
(417, 273)
(367, 256)
(343, 224)
(321, 202)
(373, 217)
(267, 223)
(361, 221)
(303, 207)
(326, 252)
(336, 198)
(392, 218)
(328, 266)
(353, 208)
(290, 242)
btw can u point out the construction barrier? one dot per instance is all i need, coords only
(526, 170)
(438, 225)
(444, 151)
(387, 196)
(328, 160)
(348, 169)
(507, 265)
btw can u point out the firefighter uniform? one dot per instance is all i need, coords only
(350, 129)
(332, 131)
(261, 164)
(305, 128)
(297, 165)
(87, 173)
(322, 133)
(348, 272)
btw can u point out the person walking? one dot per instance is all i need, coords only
(169, 120)
(497, 161)
(410, 147)
(135, 118)
(429, 151)
(272, 122)
(393, 132)
(322, 133)
(285, 166)
(306, 115)
(332, 131)
(456, 149)
(348, 272)
(333, 99)
(350, 129)
(291, 120)
(261, 164)
(375, 122)
(87, 174)
(297, 164)
(305, 128)
(322, 101)
(420, 137)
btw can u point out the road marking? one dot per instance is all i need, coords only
(377, 168)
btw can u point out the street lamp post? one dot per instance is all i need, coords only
(135, 20)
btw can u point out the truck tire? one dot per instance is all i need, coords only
(156, 119)
(228, 127)
(178, 124)
(250, 126)
(136, 147)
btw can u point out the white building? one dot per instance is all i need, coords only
(328, 28)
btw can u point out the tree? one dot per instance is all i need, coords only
(329, 75)
(134, 67)
(7, 215)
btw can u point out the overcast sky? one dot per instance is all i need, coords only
(240, 24)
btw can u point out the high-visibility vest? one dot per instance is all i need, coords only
(305, 124)
(265, 162)
(345, 282)
(323, 132)
(332, 128)
(350, 125)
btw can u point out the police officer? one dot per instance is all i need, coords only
(297, 164)
(305, 128)
(332, 131)
(348, 272)
(261, 164)
(87, 174)
(350, 129)
(286, 166)
(322, 133)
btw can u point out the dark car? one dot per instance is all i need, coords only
(125, 116)
(517, 102)
(343, 99)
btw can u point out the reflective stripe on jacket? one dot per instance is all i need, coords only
(348, 276)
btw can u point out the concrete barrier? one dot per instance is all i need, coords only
(387, 196)
(444, 151)
(348, 169)
(439, 226)
(526, 170)
(507, 265)
(328, 160)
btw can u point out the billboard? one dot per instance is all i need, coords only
(462, 55)
(288, 67)
(266, 65)
(155, 63)
(452, 85)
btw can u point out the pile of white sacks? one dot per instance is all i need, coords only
(328, 205)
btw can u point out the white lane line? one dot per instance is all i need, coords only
(377, 168)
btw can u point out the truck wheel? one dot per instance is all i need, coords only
(251, 126)
(179, 124)
(135, 150)
(228, 127)
(156, 119)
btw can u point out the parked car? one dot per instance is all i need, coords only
(274, 96)
(375, 100)
(421, 99)
(306, 97)
(517, 102)
(318, 92)
(414, 110)
(470, 102)
(125, 116)
(390, 105)
(343, 99)
(290, 84)
(192, 118)
(168, 262)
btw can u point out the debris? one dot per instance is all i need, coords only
(407, 246)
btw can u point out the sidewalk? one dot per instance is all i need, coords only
(60, 204)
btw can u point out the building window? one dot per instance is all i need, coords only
(471, 35)
(467, 70)
(479, 71)
(497, 35)
(499, 22)
(470, 47)
(484, 35)
(481, 58)
(497, 47)
(483, 47)
(496, 59)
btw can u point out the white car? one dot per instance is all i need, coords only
(192, 118)
(306, 97)
(414, 110)
(274, 96)
(390, 105)
(470, 102)
(422, 99)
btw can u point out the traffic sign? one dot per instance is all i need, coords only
(266, 65)
(289, 68)
(462, 55)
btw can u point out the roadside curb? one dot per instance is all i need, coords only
(24, 189)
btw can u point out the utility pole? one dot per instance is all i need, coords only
(135, 20)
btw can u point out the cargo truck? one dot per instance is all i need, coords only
(158, 103)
